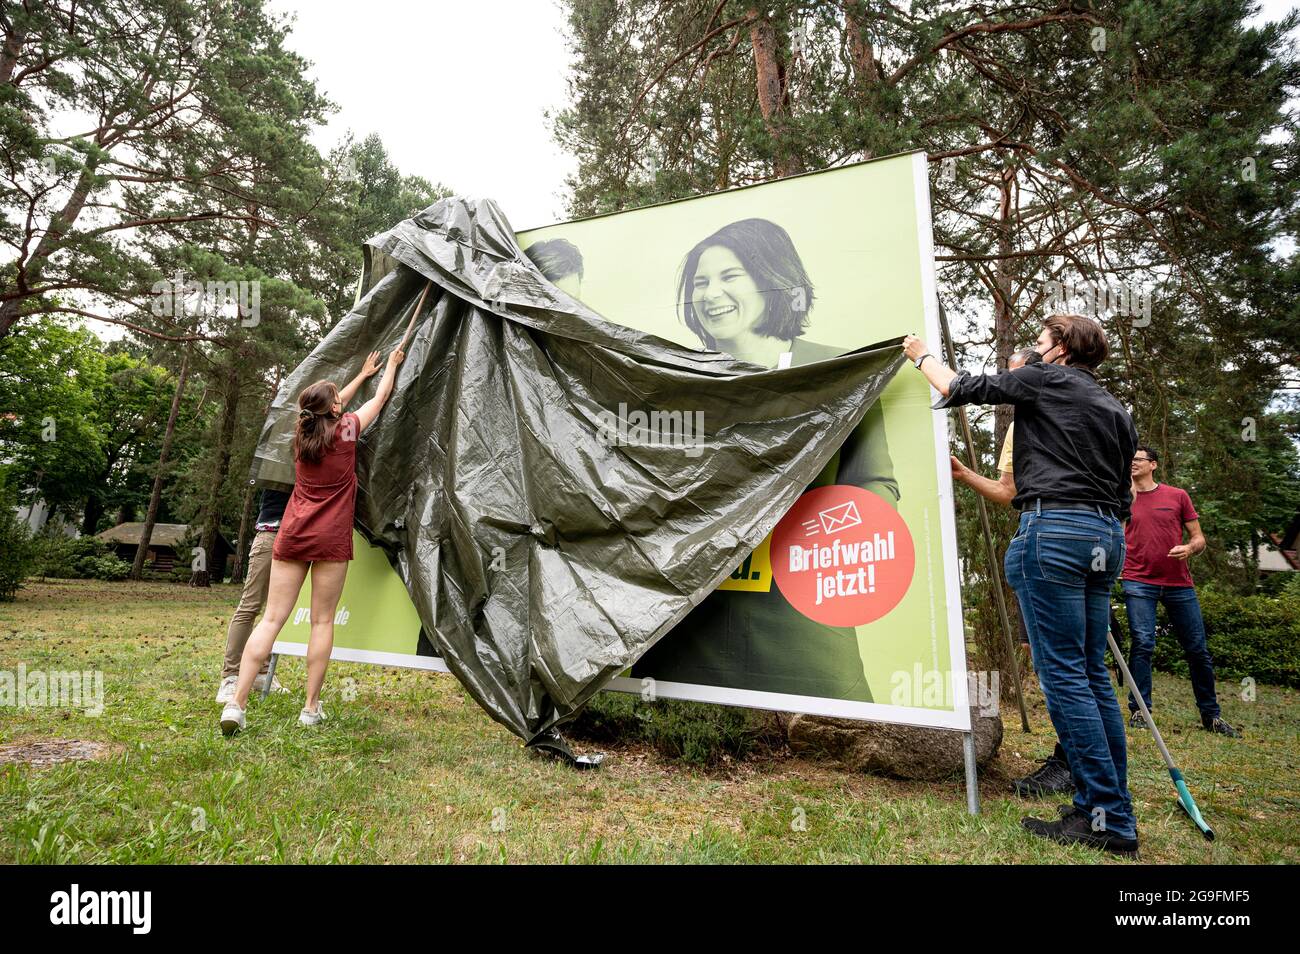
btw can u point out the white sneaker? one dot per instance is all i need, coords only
(226, 693)
(307, 717)
(259, 684)
(232, 719)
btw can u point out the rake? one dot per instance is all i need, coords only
(1185, 800)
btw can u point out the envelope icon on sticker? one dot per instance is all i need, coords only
(840, 517)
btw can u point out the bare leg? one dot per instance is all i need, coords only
(327, 578)
(282, 593)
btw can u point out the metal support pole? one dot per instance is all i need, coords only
(270, 676)
(994, 570)
(972, 777)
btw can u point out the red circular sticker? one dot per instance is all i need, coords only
(842, 556)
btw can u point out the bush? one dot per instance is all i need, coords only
(1256, 636)
(68, 558)
(16, 552)
(689, 732)
(103, 568)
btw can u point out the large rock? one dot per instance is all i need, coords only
(903, 751)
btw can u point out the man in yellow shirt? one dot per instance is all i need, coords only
(1002, 490)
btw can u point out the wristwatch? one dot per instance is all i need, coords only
(922, 358)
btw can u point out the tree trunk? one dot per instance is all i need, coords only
(13, 46)
(142, 551)
(90, 516)
(241, 547)
(866, 69)
(246, 521)
(212, 523)
(94, 509)
(773, 100)
(1004, 330)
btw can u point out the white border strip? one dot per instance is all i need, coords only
(805, 705)
(718, 695)
(947, 514)
(400, 660)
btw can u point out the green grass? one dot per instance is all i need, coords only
(409, 769)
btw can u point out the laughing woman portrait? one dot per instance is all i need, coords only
(744, 291)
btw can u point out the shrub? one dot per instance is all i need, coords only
(103, 568)
(690, 732)
(62, 557)
(1255, 636)
(16, 552)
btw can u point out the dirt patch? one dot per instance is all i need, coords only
(52, 752)
(59, 594)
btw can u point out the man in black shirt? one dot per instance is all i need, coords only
(252, 601)
(1072, 447)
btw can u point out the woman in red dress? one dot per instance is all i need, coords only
(316, 531)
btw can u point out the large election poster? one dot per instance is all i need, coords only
(851, 606)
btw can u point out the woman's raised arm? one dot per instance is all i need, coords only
(370, 410)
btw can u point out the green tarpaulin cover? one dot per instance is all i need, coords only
(557, 490)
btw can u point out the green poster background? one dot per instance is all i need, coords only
(863, 235)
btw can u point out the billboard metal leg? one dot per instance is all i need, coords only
(972, 776)
(270, 677)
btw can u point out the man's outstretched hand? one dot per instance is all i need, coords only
(959, 470)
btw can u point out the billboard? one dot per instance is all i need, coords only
(851, 606)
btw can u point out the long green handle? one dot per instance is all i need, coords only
(1185, 800)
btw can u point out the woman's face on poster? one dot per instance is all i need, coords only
(725, 298)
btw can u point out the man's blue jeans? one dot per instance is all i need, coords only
(1184, 611)
(1062, 565)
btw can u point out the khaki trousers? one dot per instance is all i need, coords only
(251, 602)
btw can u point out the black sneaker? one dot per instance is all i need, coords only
(1075, 827)
(1219, 727)
(1052, 779)
(1135, 721)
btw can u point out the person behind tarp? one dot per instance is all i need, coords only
(744, 291)
(253, 598)
(560, 263)
(1073, 445)
(316, 532)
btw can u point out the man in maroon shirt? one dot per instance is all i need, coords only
(1156, 571)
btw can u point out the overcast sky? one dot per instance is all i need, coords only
(456, 90)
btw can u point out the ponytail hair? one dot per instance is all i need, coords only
(316, 422)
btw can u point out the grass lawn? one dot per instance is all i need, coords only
(409, 769)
